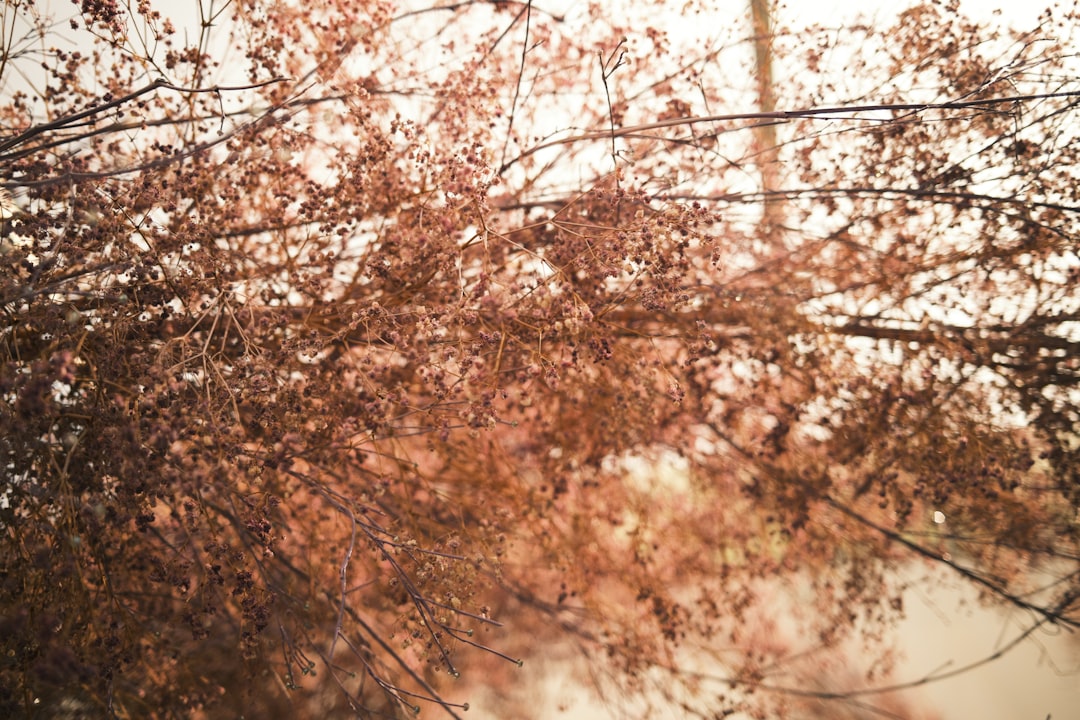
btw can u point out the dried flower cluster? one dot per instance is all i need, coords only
(348, 345)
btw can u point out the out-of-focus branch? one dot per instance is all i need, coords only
(784, 115)
(1051, 615)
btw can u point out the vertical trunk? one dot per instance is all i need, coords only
(765, 139)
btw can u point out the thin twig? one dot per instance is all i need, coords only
(607, 69)
(784, 115)
(517, 85)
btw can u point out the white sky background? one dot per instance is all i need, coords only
(1017, 12)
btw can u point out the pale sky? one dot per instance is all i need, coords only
(1019, 12)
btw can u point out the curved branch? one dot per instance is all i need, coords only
(843, 695)
(1049, 615)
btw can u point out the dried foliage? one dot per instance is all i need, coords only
(337, 335)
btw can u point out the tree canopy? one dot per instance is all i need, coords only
(348, 346)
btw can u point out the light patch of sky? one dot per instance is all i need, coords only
(828, 11)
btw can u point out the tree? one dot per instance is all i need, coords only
(333, 334)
